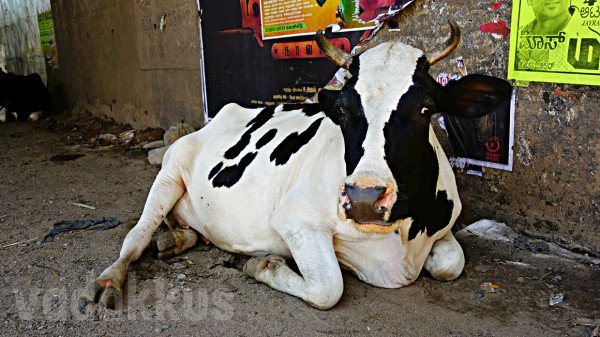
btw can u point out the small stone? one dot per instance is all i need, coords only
(155, 156)
(181, 276)
(126, 138)
(177, 131)
(106, 139)
(179, 265)
(154, 145)
(164, 327)
(520, 279)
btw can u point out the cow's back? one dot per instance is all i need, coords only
(247, 162)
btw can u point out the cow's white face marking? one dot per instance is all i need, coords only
(385, 75)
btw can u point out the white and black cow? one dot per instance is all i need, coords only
(23, 97)
(357, 180)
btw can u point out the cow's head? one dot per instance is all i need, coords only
(384, 113)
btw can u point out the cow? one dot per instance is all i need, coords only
(357, 180)
(23, 97)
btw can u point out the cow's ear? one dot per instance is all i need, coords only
(327, 100)
(473, 96)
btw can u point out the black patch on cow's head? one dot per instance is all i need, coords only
(215, 170)
(431, 213)
(412, 159)
(266, 138)
(230, 175)
(293, 143)
(345, 109)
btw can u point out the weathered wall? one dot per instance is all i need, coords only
(119, 61)
(554, 189)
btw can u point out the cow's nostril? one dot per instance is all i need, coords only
(367, 196)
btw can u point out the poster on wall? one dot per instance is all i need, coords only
(555, 41)
(482, 142)
(46, 28)
(263, 52)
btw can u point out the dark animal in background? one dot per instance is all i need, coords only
(23, 97)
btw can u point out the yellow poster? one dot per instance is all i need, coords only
(555, 41)
(285, 18)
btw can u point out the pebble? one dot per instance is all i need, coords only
(181, 276)
(179, 265)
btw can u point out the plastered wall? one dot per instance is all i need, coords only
(136, 61)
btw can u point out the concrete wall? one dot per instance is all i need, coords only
(554, 189)
(136, 61)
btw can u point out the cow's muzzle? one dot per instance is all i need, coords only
(370, 205)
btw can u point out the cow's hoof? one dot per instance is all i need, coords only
(106, 294)
(175, 242)
(258, 264)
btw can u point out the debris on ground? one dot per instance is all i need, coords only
(596, 332)
(106, 139)
(557, 298)
(82, 205)
(18, 243)
(154, 145)
(490, 230)
(155, 155)
(70, 225)
(126, 138)
(177, 131)
(488, 286)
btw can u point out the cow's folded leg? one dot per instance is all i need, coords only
(321, 283)
(165, 192)
(175, 241)
(446, 259)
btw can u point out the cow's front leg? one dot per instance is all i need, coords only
(320, 283)
(446, 259)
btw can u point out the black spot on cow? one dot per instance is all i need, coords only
(266, 138)
(235, 150)
(293, 143)
(215, 170)
(309, 109)
(261, 119)
(230, 175)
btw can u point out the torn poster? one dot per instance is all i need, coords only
(485, 141)
(555, 41)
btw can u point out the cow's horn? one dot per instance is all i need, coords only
(450, 44)
(336, 55)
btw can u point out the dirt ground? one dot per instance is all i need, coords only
(48, 166)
